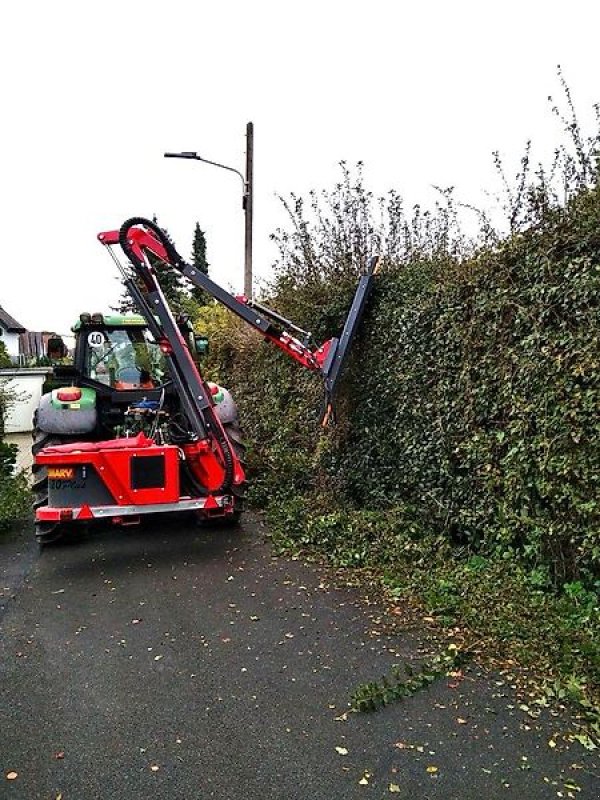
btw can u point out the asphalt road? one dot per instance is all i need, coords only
(182, 663)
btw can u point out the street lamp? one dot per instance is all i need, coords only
(247, 197)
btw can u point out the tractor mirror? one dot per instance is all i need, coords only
(56, 348)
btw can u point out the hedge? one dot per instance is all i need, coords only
(472, 398)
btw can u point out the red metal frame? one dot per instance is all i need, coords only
(113, 465)
(111, 461)
(140, 241)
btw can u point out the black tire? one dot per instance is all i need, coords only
(234, 433)
(45, 532)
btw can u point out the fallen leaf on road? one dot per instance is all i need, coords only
(394, 788)
(573, 786)
(342, 751)
(154, 767)
(461, 721)
(364, 781)
(135, 621)
(59, 755)
(552, 744)
(10, 776)
(157, 658)
(432, 770)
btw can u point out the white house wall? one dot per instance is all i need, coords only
(27, 385)
(11, 340)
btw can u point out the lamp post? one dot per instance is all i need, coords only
(247, 197)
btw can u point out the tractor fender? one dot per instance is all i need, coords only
(68, 419)
(225, 406)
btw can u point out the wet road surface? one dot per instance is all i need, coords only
(179, 662)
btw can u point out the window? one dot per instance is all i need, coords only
(125, 358)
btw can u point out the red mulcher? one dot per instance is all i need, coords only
(191, 461)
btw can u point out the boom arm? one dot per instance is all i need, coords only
(139, 236)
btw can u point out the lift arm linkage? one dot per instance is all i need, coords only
(154, 241)
(139, 237)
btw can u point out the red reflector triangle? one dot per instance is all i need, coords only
(85, 513)
(210, 502)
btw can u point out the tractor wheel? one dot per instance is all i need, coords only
(45, 532)
(234, 432)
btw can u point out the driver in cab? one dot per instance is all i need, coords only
(145, 382)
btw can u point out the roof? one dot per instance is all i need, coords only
(9, 323)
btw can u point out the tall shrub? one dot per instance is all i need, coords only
(471, 401)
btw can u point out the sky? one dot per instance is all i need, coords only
(92, 94)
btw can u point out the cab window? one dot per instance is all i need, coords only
(125, 358)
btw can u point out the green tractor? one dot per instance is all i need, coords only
(118, 373)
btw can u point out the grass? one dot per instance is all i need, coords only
(15, 500)
(495, 607)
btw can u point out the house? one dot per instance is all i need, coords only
(9, 333)
(34, 344)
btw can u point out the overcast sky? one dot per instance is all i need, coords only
(93, 93)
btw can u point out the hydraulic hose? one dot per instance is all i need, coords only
(224, 447)
(174, 257)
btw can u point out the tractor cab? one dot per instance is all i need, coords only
(118, 372)
(118, 352)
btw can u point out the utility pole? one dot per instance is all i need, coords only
(247, 197)
(248, 209)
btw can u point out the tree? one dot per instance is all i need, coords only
(15, 497)
(4, 357)
(199, 261)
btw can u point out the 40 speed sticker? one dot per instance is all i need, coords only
(96, 339)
